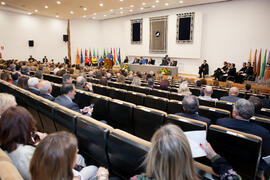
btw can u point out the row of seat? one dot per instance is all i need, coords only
(122, 152)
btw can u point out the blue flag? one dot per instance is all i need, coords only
(119, 57)
(81, 57)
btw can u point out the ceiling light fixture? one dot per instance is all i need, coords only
(85, 9)
(121, 8)
(131, 6)
(84, 16)
(71, 12)
(36, 10)
(57, 16)
(157, 1)
(46, 7)
(166, 4)
(153, 6)
(141, 8)
(58, 2)
(130, 10)
(3, 3)
(181, 2)
(121, 12)
(143, 3)
(101, 4)
(105, 15)
(29, 13)
(121, 0)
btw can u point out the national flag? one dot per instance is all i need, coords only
(94, 53)
(119, 57)
(111, 50)
(78, 57)
(81, 57)
(267, 70)
(90, 56)
(254, 61)
(85, 57)
(258, 69)
(263, 65)
(250, 54)
(114, 59)
(104, 54)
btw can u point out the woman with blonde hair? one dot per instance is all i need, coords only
(183, 89)
(170, 158)
(7, 100)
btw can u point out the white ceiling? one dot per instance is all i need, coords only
(92, 8)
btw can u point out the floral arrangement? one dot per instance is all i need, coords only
(164, 71)
(107, 66)
(125, 67)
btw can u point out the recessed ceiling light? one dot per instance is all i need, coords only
(121, 12)
(58, 2)
(71, 12)
(131, 10)
(93, 17)
(131, 6)
(101, 4)
(121, 0)
(166, 4)
(181, 2)
(105, 15)
(141, 8)
(143, 3)
(157, 1)
(36, 10)
(46, 7)
(85, 9)
(121, 8)
(3, 3)
(111, 10)
(57, 16)
(84, 16)
(153, 6)
(95, 14)
(29, 13)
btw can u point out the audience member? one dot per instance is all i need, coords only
(26, 70)
(103, 81)
(208, 91)
(136, 81)
(5, 76)
(164, 84)
(67, 79)
(242, 112)
(82, 84)
(55, 158)
(7, 100)
(191, 107)
(173, 161)
(33, 84)
(23, 82)
(233, 95)
(39, 74)
(150, 82)
(66, 99)
(15, 76)
(45, 88)
(257, 102)
(183, 89)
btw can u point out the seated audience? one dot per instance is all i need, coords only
(191, 107)
(150, 82)
(7, 101)
(23, 82)
(66, 99)
(164, 84)
(173, 161)
(208, 91)
(5, 76)
(26, 70)
(233, 95)
(39, 74)
(33, 84)
(183, 89)
(55, 158)
(103, 81)
(242, 112)
(120, 78)
(82, 84)
(17, 137)
(45, 88)
(67, 79)
(15, 76)
(136, 81)
(257, 102)
(266, 103)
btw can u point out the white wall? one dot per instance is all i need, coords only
(16, 29)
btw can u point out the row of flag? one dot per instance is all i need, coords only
(261, 68)
(114, 54)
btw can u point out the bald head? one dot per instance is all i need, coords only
(208, 91)
(45, 87)
(234, 91)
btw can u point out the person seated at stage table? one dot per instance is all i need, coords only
(258, 105)
(66, 99)
(136, 61)
(45, 88)
(232, 72)
(151, 61)
(191, 106)
(249, 71)
(204, 69)
(110, 56)
(126, 60)
(242, 112)
(208, 91)
(173, 62)
(165, 61)
(243, 69)
(233, 95)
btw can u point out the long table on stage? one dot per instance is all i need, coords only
(154, 68)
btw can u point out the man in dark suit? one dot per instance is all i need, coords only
(165, 61)
(67, 79)
(190, 107)
(204, 69)
(173, 62)
(44, 60)
(242, 112)
(33, 84)
(45, 88)
(66, 99)
(233, 95)
(266, 103)
(258, 105)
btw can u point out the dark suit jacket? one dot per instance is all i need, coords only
(174, 63)
(266, 103)
(230, 98)
(64, 101)
(205, 67)
(196, 117)
(32, 90)
(47, 96)
(248, 127)
(249, 71)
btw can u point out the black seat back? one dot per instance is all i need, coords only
(140, 89)
(207, 102)
(159, 93)
(241, 150)
(126, 154)
(225, 105)
(121, 115)
(213, 113)
(117, 94)
(99, 89)
(265, 111)
(186, 124)
(56, 90)
(176, 96)
(101, 108)
(147, 121)
(174, 106)
(218, 93)
(135, 97)
(264, 122)
(84, 98)
(53, 78)
(195, 91)
(156, 102)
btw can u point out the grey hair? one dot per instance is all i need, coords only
(45, 86)
(244, 108)
(80, 80)
(191, 104)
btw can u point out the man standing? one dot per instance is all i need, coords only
(204, 69)
(44, 60)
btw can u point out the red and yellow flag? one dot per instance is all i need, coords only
(78, 57)
(250, 54)
(254, 61)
